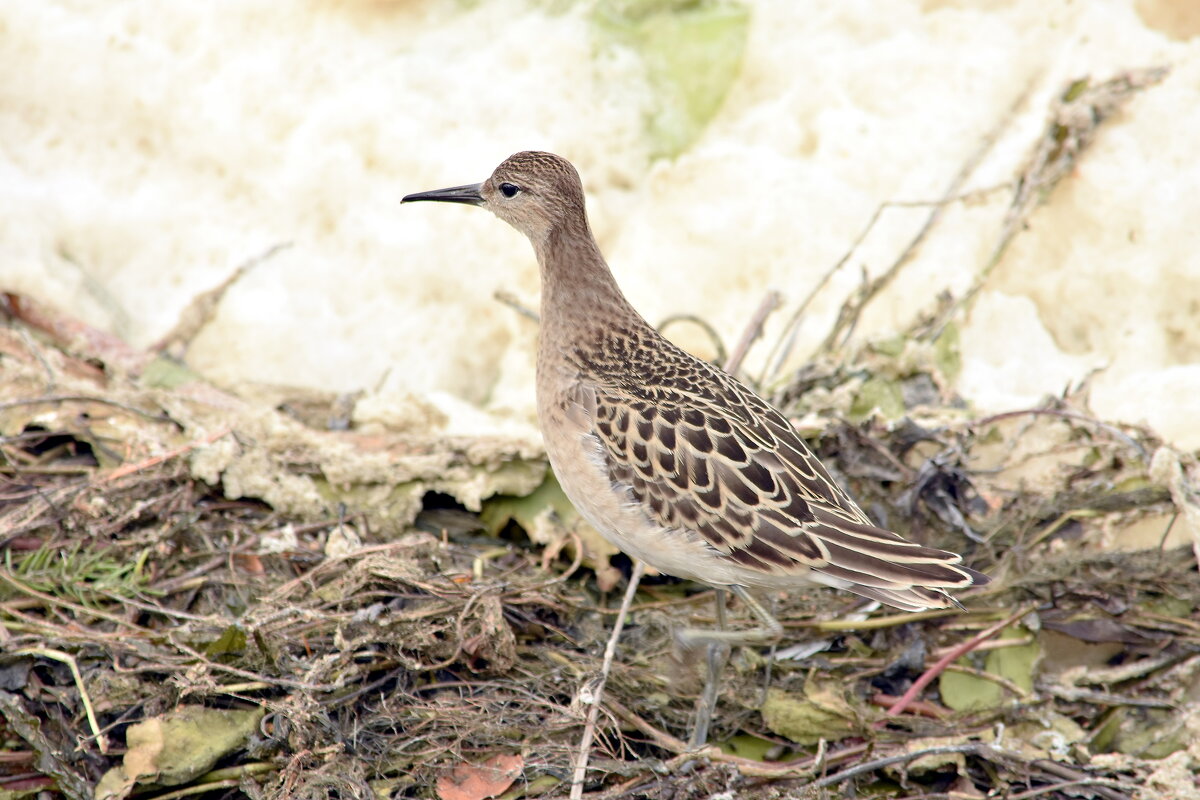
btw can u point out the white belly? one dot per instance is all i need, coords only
(578, 462)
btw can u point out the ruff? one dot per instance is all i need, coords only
(674, 461)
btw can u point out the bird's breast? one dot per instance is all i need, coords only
(580, 463)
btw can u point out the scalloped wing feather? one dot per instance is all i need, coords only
(732, 468)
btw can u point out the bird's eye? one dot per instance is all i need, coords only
(509, 189)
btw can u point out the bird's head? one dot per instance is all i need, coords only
(534, 192)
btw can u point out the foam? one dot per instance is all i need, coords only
(148, 150)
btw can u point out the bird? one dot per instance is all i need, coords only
(674, 461)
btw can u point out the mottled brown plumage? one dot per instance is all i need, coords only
(695, 473)
(674, 461)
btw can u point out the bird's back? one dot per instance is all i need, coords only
(682, 465)
(674, 461)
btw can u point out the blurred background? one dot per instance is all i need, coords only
(728, 149)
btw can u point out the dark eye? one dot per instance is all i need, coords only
(509, 189)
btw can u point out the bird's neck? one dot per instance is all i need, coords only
(578, 289)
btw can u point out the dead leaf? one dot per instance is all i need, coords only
(470, 782)
(72, 334)
(249, 562)
(931, 762)
(821, 712)
(1095, 630)
(177, 747)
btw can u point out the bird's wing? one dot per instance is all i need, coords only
(728, 466)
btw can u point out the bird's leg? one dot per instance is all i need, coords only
(716, 643)
(770, 632)
(770, 663)
(707, 702)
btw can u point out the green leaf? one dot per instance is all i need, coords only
(549, 518)
(231, 640)
(881, 394)
(968, 692)
(177, 747)
(747, 746)
(692, 51)
(822, 712)
(527, 511)
(1015, 663)
(892, 347)
(166, 373)
(963, 692)
(947, 352)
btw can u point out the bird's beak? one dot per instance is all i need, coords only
(472, 193)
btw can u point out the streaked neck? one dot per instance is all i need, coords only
(579, 293)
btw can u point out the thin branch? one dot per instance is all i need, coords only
(203, 307)
(754, 330)
(509, 299)
(83, 398)
(879, 763)
(84, 697)
(782, 348)
(940, 665)
(852, 309)
(705, 325)
(597, 692)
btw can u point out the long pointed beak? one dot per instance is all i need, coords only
(472, 194)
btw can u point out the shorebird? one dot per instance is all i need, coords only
(674, 461)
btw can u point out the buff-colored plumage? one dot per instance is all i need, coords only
(674, 461)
